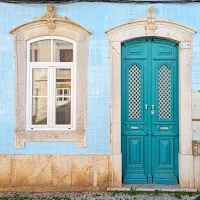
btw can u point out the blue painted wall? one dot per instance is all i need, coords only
(97, 17)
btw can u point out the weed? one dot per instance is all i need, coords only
(17, 197)
(177, 195)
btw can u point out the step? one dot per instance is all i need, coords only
(151, 187)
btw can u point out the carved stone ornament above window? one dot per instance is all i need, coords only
(50, 17)
(50, 24)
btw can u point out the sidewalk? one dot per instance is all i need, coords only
(132, 195)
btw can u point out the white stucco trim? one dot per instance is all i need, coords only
(159, 28)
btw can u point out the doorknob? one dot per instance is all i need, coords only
(152, 109)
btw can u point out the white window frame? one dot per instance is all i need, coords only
(51, 85)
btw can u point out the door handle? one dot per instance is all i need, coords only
(146, 106)
(152, 109)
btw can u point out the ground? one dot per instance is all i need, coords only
(131, 195)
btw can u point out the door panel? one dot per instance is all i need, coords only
(135, 49)
(134, 119)
(163, 164)
(165, 120)
(135, 159)
(149, 111)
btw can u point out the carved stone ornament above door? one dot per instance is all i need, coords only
(151, 18)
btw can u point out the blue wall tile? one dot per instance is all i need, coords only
(97, 17)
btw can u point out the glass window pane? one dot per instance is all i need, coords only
(40, 82)
(63, 110)
(40, 51)
(63, 96)
(63, 82)
(39, 111)
(63, 51)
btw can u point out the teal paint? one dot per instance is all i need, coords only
(149, 140)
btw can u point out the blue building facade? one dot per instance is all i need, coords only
(97, 17)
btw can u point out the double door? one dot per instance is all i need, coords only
(149, 111)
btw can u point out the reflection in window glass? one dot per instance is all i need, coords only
(40, 82)
(63, 111)
(40, 51)
(63, 51)
(39, 111)
(63, 96)
(39, 96)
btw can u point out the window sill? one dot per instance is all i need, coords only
(78, 136)
(50, 129)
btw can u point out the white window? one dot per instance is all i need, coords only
(51, 83)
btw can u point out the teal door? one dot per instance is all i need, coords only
(149, 111)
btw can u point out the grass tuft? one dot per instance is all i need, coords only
(177, 195)
(18, 197)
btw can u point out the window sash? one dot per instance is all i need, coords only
(55, 97)
(52, 49)
(51, 98)
(47, 64)
(51, 111)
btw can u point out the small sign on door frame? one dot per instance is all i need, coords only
(185, 45)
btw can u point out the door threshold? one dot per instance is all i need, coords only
(151, 187)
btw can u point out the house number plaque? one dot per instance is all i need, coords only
(185, 45)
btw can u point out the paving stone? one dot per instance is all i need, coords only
(95, 196)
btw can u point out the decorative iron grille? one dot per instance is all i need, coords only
(134, 92)
(164, 93)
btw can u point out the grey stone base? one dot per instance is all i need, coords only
(152, 187)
